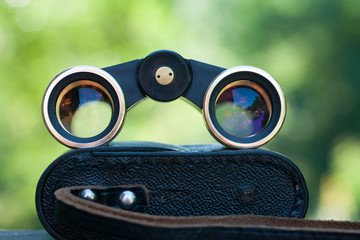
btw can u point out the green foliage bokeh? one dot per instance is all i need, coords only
(312, 48)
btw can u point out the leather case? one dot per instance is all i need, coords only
(193, 192)
(101, 221)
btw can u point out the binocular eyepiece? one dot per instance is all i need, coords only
(243, 107)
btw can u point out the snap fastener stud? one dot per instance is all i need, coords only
(127, 199)
(88, 194)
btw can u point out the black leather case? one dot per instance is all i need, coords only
(206, 180)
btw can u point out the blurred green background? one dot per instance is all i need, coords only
(311, 47)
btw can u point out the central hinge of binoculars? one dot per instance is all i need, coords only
(164, 76)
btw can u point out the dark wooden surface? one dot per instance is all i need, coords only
(25, 235)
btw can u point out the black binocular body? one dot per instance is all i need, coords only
(243, 107)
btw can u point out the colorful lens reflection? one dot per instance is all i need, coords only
(84, 108)
(243, 109)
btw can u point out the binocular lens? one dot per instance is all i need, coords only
(84, 108)
(243, 109)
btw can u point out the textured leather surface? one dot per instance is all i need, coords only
(98, 221)
(191, 181)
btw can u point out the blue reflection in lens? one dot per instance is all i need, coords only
(87, 95)
(241, 111)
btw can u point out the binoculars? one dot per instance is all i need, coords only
(84, 106)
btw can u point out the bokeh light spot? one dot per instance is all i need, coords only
(32, 18)
(18, 3)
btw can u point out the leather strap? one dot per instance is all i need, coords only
(95, 220)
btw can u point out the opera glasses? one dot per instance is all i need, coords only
(243, 107)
